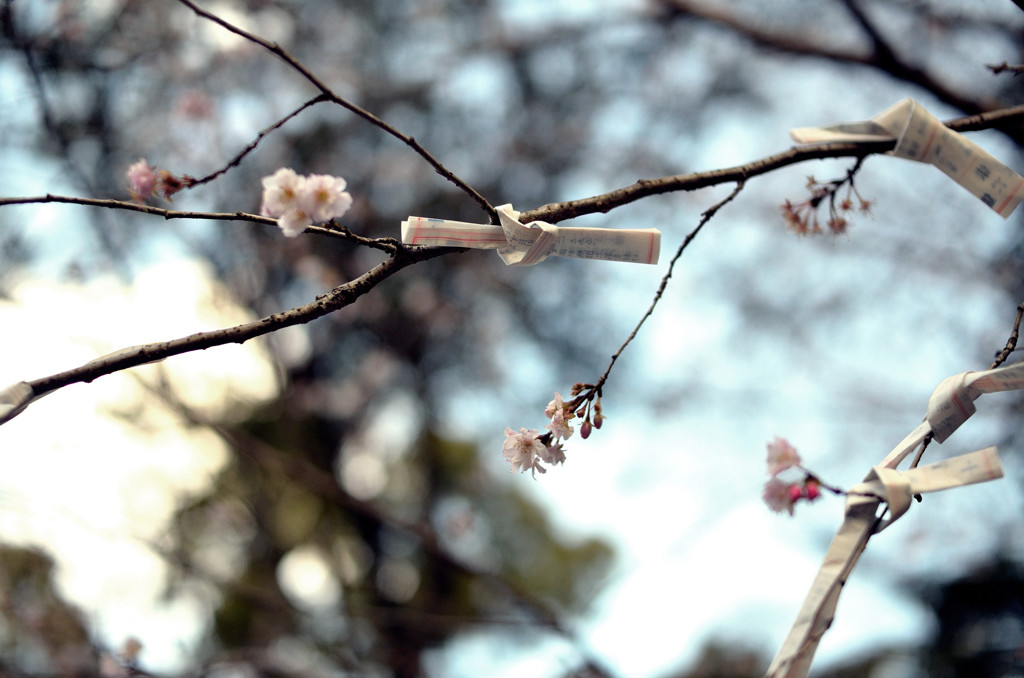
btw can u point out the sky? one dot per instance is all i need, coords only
(675, 485)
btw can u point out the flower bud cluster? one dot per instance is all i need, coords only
(802, 218)
(530, 449)
(779, 494)
(144, 181)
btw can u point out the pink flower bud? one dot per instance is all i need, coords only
(142, 180)
(598, 420)
(812, 489)
(795, 492)
(585, 429)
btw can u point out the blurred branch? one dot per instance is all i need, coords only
(881, 56)
(1000, 68)
(328, 94)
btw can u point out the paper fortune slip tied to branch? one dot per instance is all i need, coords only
(950, 405)
(922, 137)
(529, 244)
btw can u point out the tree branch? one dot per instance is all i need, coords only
(235, 161)
(331, 228)
(402, 256)
(338, 298)
(328, 94)
(705, 217)
(882, 56)
(644, 188)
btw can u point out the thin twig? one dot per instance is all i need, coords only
(1011, 343)
(235, 161)
(705, 218)
(1000, 68)
(881, 56)
(331, 228)
(330, 95)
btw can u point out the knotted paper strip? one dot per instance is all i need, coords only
(953, 401)
(881, 486)
(950, 405)
(526, 245)
(922, 137)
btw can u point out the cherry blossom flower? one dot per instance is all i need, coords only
(553, 454)
(523, 450)
(559, 425)
(142, 180)
(781, 456)
(293, 222)
(803, 217)
(281, 192)
(556, 405)
(324, 197)
(779, 495)
(297, 202)
(598, 416)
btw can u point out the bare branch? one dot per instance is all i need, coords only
(402, 256)
(339, 297)
(1011, 342)
(331, 228)
(235, 161)
(882, 56)
(555, 212)
(705, 218)
(328, 94)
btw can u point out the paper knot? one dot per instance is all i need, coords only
(922, 137)
(529, 244)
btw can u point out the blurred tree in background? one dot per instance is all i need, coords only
(352, 528)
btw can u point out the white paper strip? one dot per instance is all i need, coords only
(526, 245)
(922, 137)
(950, 405)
